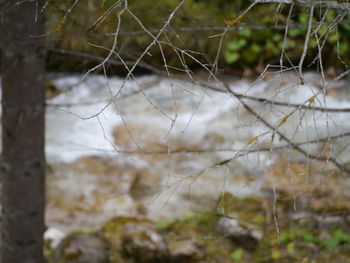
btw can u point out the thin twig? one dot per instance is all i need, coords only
(306, 44)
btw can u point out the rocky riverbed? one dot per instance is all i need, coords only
(157, 153)
(160, 148)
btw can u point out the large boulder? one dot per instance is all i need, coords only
(185, 251)
(144, 244)
(82, 248)
(244, 235)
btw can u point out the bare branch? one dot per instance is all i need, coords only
(285, 138)
(306, 43)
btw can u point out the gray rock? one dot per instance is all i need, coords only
(144, 244)
(82, 248)
(185, 251)
(245, 235)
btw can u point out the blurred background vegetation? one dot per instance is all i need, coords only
(79, 38)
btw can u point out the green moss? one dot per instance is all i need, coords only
(295, 242)
(250, 208)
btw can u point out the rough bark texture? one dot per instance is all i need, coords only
(23, 67)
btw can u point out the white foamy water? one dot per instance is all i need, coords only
(204, 127)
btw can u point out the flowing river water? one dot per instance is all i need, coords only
(165, 148)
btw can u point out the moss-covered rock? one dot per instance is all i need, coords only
(82, 248)
(144, 244)
(244, 230)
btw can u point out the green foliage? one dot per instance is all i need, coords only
(276, 255)
(87, 27)
(233, 49)
(163, 223)
(338, 237)
(237, 255)
(335, 238)
(296, 242)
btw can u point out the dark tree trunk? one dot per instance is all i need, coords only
(23, 169)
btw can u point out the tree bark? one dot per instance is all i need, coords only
(23, 99)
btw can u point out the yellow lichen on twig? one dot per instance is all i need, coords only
(58, 28)
(285, 118)
(253, 140)
(311, 102)
(233, 22)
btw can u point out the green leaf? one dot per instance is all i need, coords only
(294, 32)
(245, 33)
(163, 223)
(313, 43)
(346, 27)
(277, 37)
(340, 235)
(291, 247)
(304, 17)
(249, 55)
(256, 48)
(331, 15)
(252, 53)
(238, 254)
(235, 45)
(276, 255)
(309, 237)
(332, 38)
(285, 237)
(338, 238)
(323, 29)
(343, 47)
(271, 48)
(231, 57)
